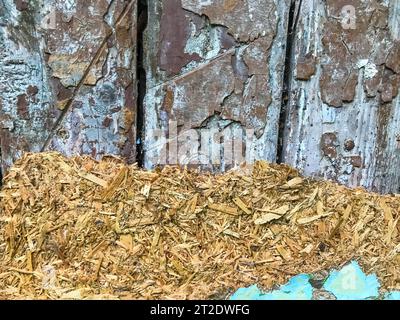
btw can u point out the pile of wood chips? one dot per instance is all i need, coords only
(81, 229)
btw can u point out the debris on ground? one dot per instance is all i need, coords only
(84, 229)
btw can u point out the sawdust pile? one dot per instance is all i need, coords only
(77, 228)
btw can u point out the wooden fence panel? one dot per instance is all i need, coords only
(343, 119)
(311, 83)
(68, 80)
(214, 68)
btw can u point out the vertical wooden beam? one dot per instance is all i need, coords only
(215, 73)
(344, 111)
(68, 78)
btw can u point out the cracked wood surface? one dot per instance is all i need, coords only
(344, 113)
(209, 69)
(68, 80)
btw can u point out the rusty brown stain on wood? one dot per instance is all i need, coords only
(329, 144)
(344, 49)
(83, 72)
(246, 20)
(213, 60)
(349, 145)
(21, 5)
(22, 106)
(306, 66)
(96, 82)
(214, 69)
(174, 32)
(353, 94)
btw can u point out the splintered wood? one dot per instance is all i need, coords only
(81, 229)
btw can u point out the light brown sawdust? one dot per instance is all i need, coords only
(81, 229)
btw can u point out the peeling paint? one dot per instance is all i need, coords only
(246, 20)
(58, 91)
(348, 283)
(353, 93)
(25, 107)
(220, 70)
(68, 81)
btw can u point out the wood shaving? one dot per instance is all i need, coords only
(84, 229)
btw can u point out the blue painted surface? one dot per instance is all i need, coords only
(349, 283)
(250, 293)
(395, 295)
(298, 288)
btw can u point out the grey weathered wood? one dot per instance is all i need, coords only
(344, 113)
(68, 83)
(214, 66)
(99, 113)
(25, 96)
(68, 77)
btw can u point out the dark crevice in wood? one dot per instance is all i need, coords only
(294, 15)
(141, 80)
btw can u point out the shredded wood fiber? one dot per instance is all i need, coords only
(77, 228)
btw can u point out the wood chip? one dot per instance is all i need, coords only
(267, 218)
(114, 184)
(295, 182)
(76, 228)
(241, 205)
(93, 178)
(308, 220)
(223, 208)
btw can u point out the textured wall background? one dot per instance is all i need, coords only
(68, 71)
(317, 84)
(215, 65)
(343, 118)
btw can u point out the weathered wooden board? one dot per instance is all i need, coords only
(93, 55)
(343, 118)
(68, 77)
(214, 78)
(25, 98)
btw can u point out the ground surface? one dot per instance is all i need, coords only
(79, 228)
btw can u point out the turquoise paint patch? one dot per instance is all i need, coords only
(250, 293)
(351, 283)
(395, 295)
(298, 288)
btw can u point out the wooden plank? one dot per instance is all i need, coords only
(214, 74)
(344, 110)
(75, 90)
(25, 99)
(99, 116)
